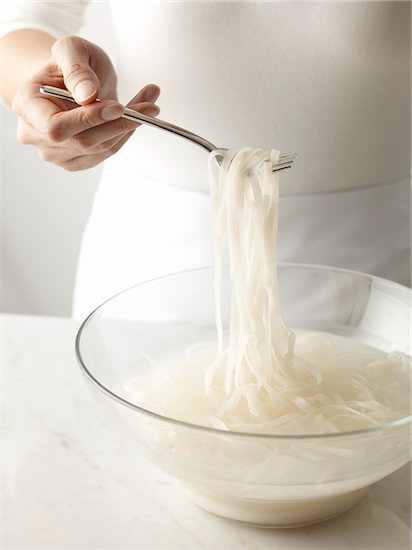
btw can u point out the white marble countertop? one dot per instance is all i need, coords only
(70, 483)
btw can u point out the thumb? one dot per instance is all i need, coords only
(72, 56)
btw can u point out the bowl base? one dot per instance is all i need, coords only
(274, 514)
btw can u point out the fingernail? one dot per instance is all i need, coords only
(151, 94)
(84, 90)
(111, 112)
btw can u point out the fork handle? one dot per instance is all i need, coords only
(135, 116)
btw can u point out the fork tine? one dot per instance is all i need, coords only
(277, 168)
(287, 156)
(285, 161)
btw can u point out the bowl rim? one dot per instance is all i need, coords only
(398, 423)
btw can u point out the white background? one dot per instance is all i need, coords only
(44, 211)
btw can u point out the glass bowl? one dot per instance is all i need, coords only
(267, 480)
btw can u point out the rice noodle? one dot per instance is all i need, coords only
(269, 379)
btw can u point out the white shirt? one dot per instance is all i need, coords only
(327, 80)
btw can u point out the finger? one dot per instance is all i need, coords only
(34, 107)
(56, 124)
(27, 135)
(59, 154)
(29, 102)
(72, 55)
(56, 155)
(83, 162)
(149, 93)
(93, 138)
(71, 123)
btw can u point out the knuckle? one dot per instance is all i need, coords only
(54, 131)
(86, 117)
(46, 155)
(100, 148)
(112, 149)
(125, 126)
(24, 96)
(53, 135)
(82, 142)
(69, 39)
(100, 158)
(105, 146)
(107, 154)
(16, 102)
(68, 165)
(22, 136)
(75, 70)
(65, 42)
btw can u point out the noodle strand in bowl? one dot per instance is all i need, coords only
(268, 378)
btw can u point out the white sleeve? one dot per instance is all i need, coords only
(58, 18)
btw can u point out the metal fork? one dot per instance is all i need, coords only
(285, 159)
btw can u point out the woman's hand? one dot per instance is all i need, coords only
(77, 137)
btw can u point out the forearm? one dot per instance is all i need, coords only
(23, 52)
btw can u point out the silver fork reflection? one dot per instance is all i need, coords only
(285, 159)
